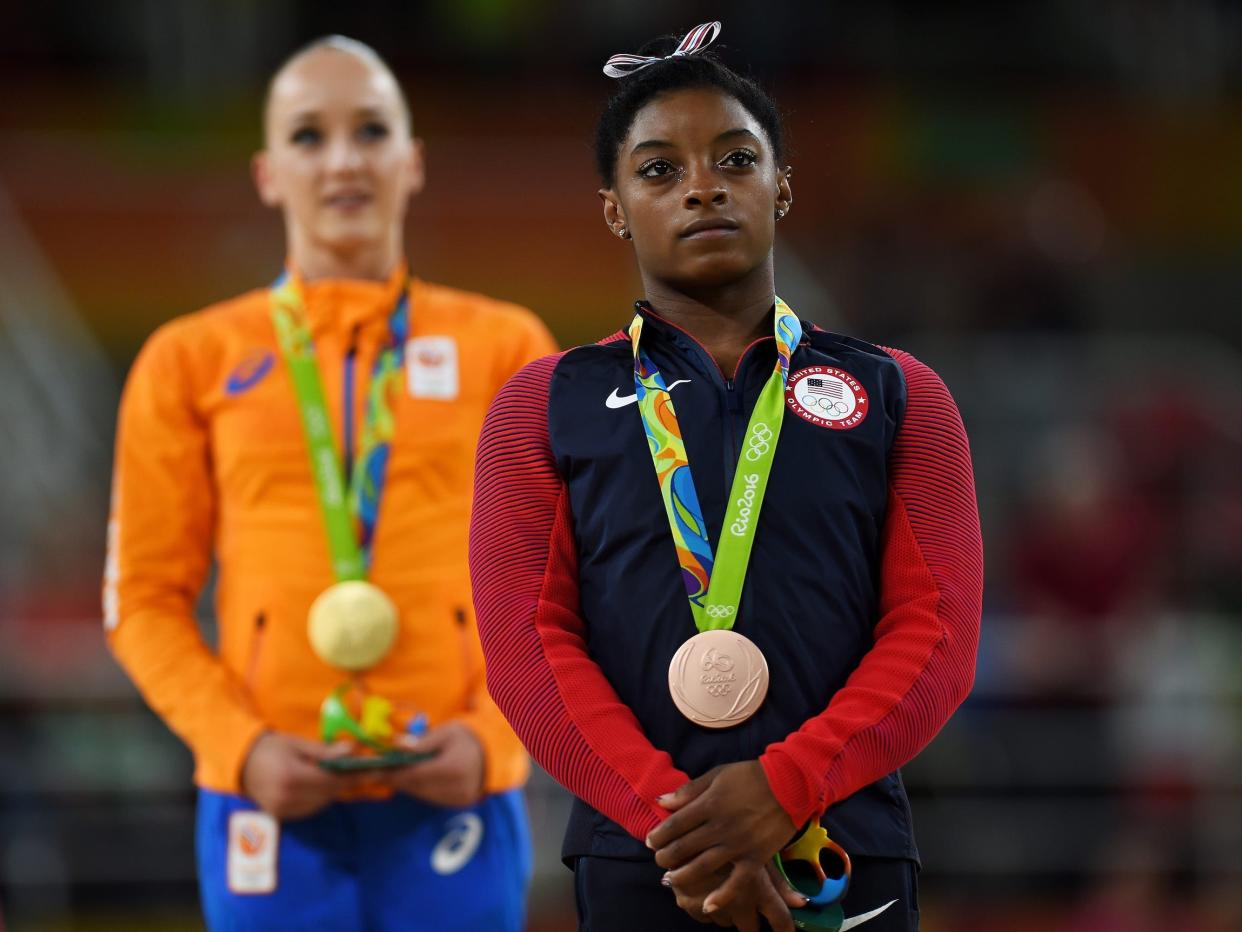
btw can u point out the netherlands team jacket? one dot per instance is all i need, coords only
(211, 462)
(863, 591)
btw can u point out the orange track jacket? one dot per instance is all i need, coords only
(210, 457)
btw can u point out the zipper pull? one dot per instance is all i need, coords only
(733, 398)
(252, 665)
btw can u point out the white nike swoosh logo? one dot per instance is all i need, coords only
(855, 921)
(620, 401)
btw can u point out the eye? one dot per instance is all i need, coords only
(372, 131)
(656, 168)
(740, 158)
(306, 136)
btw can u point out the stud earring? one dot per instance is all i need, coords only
(780, 213)
(623, 233)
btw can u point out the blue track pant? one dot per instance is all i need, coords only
(370, 866)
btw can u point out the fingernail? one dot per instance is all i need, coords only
(709, 907)
(664, 797)
(666, 881)
(647, 842)
(805, 900)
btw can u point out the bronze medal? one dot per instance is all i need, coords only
(352, 625)
(718, 678)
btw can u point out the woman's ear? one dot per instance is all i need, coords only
(614, 213)
(784, 194)
(263, 182)
(416, 165)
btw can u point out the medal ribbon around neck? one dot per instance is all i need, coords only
(714, 582)
(349, 512)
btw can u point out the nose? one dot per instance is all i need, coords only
(704, 186)
(343, 154)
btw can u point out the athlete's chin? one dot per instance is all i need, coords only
(352, 233)
(715, 272)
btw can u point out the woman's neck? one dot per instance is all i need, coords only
(370, 262)
(725, 319)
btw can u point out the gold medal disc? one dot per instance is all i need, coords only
(718, 678)
(352, 625)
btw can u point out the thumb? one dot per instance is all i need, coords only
(687, 792)
(434, 740)
(793, 899)
(315, 750)
(410, 742)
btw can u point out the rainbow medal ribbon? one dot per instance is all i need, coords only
(353, 623)
(818, 867)
(718, 678)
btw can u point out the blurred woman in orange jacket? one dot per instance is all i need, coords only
(214, 453)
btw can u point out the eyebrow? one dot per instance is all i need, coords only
(373, 113)
(664, 144)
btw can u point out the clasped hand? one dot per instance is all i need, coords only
(718, 845)
(282, 772)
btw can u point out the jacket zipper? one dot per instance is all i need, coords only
(347, 421)
(733, 407)
(732, 398)
(256, 645)
(734, 413)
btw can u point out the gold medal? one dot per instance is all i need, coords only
(718, 678)
(352, 625)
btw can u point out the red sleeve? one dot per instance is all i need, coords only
(922, 660)
(524, 570)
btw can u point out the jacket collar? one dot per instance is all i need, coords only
(347, 305)
(762, 349)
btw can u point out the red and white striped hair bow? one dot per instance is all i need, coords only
(697, 39)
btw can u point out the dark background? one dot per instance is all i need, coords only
(1042, 200)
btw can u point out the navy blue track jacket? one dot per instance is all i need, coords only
(863, 591)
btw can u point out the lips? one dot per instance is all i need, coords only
(709, 228)
(347, 200)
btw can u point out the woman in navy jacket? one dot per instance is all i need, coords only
(853, 636)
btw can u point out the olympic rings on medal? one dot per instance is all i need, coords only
(720, 611)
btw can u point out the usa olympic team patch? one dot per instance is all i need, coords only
(828, 397)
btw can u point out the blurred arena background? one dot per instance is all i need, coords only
(1041, 199)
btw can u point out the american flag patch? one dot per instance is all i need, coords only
(831, 387)
(827, 397)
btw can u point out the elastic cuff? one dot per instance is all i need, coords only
(801, 800)
(219, 766)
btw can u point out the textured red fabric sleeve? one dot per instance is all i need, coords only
(524, 570)
(922, 660)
